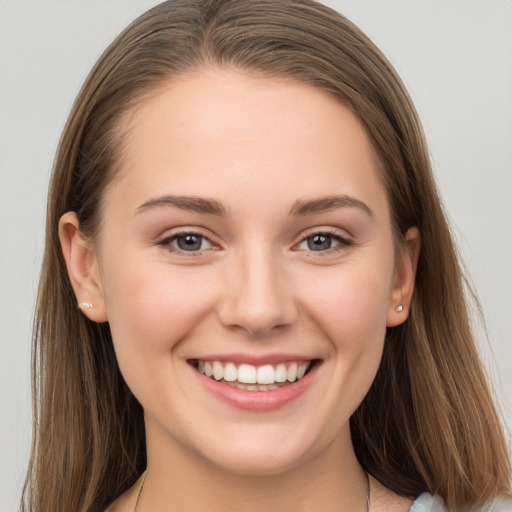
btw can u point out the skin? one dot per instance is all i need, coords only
(256, 146)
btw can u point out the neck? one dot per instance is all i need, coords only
(177, 479)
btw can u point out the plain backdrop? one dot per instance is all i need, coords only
(455, 56)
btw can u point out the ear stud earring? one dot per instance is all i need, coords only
(84, 305)
(399, 308)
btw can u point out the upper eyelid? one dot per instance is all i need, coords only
(172, 233)
(185, 233)
(331, 231)
(323, 231)
(337, 233)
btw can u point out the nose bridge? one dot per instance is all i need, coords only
(256, 297)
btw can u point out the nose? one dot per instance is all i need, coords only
(257, 297)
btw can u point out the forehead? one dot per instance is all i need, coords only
(219, 131)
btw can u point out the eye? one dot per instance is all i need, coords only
(187, 242)
(321, 242)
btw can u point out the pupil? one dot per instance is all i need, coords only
(189, 242)
(319, 242)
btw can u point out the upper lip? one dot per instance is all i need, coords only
(255, 360)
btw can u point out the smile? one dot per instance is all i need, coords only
(248, 377)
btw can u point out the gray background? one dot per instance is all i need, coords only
(454, 55)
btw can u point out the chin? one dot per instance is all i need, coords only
(258, 465)
(263, 456)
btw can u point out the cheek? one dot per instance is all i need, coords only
(350, 305)
(151, 308)
(352, 296)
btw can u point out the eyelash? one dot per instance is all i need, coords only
(167, 242)
(342, 243)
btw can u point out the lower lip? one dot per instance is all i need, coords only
(257, 400)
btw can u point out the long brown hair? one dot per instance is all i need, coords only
(428, 422)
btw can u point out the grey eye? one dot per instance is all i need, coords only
(319, 242)
(190, 242)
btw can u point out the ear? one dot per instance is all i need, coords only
(403, 278)
(82, 265)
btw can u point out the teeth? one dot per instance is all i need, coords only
(265, 374)
(218, 371)
(230, 372)
(247, 374)
(253, 378)
(291, 374)
(252, 387)
(280, 374)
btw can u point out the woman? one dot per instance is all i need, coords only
(271, 311)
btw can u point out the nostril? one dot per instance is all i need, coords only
(258, 322)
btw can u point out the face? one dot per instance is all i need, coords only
(248, 235)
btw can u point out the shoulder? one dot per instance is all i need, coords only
(427, 503)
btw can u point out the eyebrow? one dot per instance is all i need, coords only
(207, 206)
(201, 205)
(324, 204)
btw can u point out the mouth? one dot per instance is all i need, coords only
(248, 377)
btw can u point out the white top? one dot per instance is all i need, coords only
(427, 503)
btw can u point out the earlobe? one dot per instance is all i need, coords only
(82, 266)
(404, 278)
